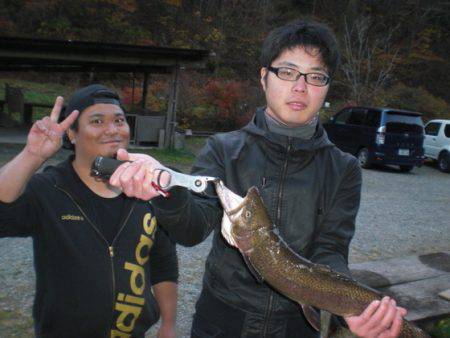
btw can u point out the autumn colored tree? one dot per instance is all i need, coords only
(233, 30)
(368, 61)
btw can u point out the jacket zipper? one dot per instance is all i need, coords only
(280, 195)
(110, 247)
(111, 255)
(84, 214)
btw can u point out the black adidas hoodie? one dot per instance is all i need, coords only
(85, 286)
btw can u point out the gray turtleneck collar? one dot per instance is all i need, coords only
(305, 131)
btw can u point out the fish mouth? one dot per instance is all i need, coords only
(232, 203)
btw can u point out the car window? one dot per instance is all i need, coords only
(447, 131)
(373, 118)
(342, 117)
(432, 128)
(357, 117)
(403, 123)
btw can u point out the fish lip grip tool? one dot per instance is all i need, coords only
(104, 167)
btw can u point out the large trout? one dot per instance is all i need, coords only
(307, 283)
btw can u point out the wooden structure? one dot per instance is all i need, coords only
(15, 102)
(418, 283)
(20, 54)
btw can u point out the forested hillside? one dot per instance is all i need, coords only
(394, 53)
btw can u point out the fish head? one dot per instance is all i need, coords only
(245, 213)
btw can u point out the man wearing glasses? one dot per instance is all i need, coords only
(311, 189)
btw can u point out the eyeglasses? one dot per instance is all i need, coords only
(289, 74)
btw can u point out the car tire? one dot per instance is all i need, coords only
(406, 168)
(363, 158)
(444, 162)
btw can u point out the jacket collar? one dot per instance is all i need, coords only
(63, 173)
(64, 179)
(258, 126)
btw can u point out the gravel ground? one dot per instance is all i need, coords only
(401, 214)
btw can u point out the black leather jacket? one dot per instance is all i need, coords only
(311, 189)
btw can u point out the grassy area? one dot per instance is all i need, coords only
(37, 92)
(181, 159)
(183, 156)
(441, 329)
(15, 324)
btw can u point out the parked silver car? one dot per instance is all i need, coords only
(437, 143)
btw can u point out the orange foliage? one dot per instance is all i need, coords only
(225, 96)
(126, 5)
(176, 3)
(130, 98)
(218, 105)
(156, 95)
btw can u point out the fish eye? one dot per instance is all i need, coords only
(248, 214)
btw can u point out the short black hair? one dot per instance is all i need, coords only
(302, 33)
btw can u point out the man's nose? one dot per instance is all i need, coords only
(111, 128)
(300, 84)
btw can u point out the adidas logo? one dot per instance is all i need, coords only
(72, 218)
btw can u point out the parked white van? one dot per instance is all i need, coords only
(437, 143)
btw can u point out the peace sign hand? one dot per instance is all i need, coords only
(45, 136)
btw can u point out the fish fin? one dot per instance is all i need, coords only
(322, 321)
(312, 316)
(252, 269)
(333, 326)
(325, 322)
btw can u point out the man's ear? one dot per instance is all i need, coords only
(263, 73)
(71, 135)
